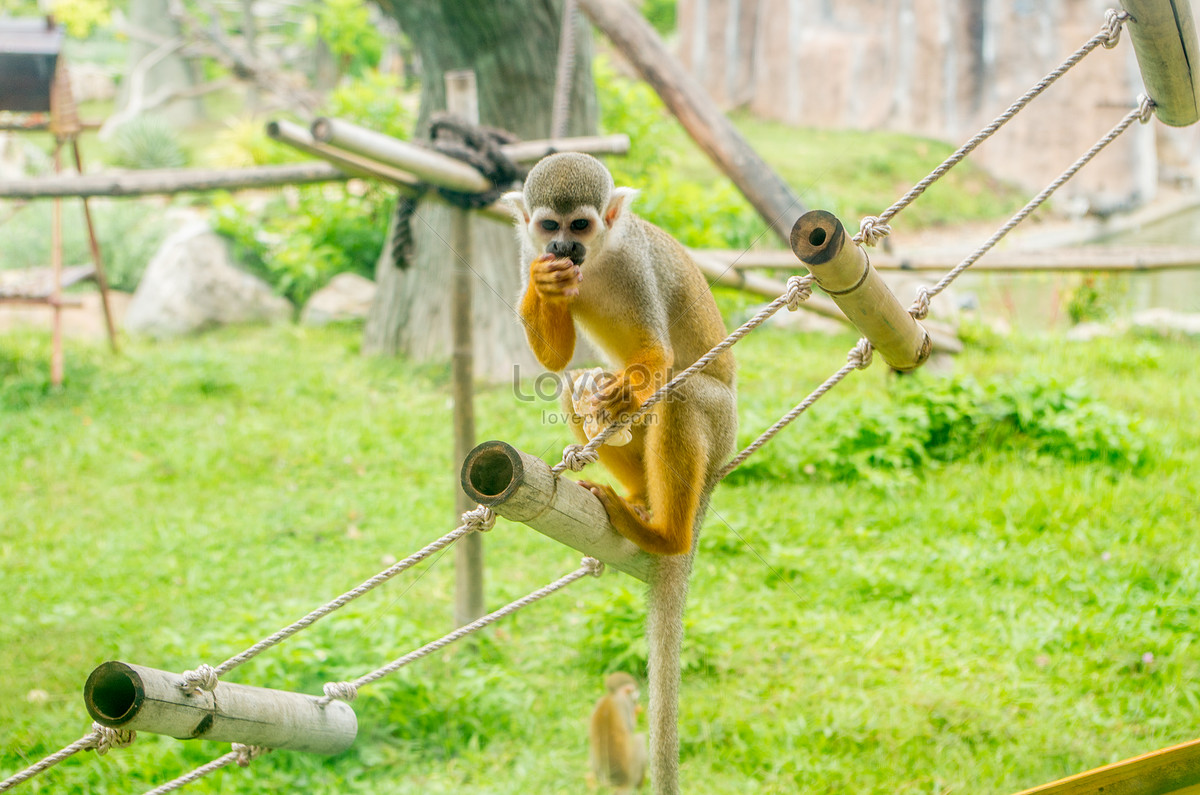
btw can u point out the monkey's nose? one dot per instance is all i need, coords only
(572, 249)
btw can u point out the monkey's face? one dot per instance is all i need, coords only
(565, 234)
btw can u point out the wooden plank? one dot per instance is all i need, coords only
(1163, 33)
(1169, 770)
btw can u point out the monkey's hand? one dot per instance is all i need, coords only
(556, 279)
(624, 393)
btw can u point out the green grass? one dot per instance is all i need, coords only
(982, 624)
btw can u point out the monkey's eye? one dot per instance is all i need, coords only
(550, 226)
(579, 224)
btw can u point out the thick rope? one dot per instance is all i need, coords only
(241, 754)
(575, 456)
(101, 739)
(875, 227)
(204, 677)
(561, 110)
(348, 691)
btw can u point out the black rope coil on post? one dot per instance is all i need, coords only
(476, 145)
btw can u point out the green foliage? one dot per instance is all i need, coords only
(346, 28)
(661, 14)
(147, 141)
(373, 100)
(298, 242)
(939, 420)
(1096, 297)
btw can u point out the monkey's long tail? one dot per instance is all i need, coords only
(666, 602)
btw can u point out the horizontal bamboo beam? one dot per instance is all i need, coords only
(301, 138)
(154, 182)
(125, 696)
(426, 164)
(532, 151)
(1163, 33)
(841, 268)
(1067, 259)
(522, 488)
(1169, 770)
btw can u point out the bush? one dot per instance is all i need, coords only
(147, 141)
(939, 420)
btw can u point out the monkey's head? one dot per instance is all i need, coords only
(568, 204)
(621, 681)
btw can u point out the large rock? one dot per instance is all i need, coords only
(191, 284)
(348, 296)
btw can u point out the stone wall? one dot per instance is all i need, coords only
(942, 69)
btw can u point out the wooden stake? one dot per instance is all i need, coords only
(842, 269)
(462, 100)
(1163, 33)
(124, 696)
(522, 488)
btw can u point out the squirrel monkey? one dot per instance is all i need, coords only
(636, 293)
(618, 753)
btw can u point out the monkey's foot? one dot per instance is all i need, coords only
(632, 521)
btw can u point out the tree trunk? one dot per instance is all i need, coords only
(171, 73)
(512, 48)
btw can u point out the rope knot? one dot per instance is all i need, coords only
(799, 289)
(872, 229)
(593, 566)
(920, 306)
(860, 354)
(342, 691)
(204, 677)
(247, 753)
(577, 456)
(1145, 108)
(480, 519)
(108, 738)
(1113, 22)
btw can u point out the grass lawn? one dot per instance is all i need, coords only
(1016, 603)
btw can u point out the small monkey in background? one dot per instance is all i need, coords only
(618, 753)
(592, 264)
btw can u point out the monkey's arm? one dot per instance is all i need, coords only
(546, 310)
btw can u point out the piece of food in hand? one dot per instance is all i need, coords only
(584, 384)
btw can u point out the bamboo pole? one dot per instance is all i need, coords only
(1071, 258)
(56, 264)
(125, 696)
(1163, 33)
(523, 488)
(154, 182)
(463, 101)
(842, 269)
(1169, 770)
(425, 164)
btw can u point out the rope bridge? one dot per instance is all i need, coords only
(118, 694)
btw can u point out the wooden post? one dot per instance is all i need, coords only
(56, 263)
(463, 101)
(97, 258)
(120, 695)
(630, 33)
(522, 488)
(1163, 33)
(842, 269)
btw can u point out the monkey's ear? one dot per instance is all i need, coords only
(618, 204)
(516, 204)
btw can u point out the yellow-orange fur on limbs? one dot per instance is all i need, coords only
(633, 290)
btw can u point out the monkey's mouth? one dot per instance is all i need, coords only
(572, 250)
